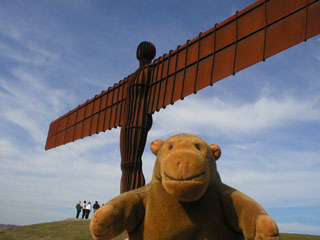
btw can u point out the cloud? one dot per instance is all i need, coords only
(27, 100)
(275, 188)
(233, 118)
(28, 103)
(299, 228)
(23, 120)
(35, 55)
(6, 148)
(21, 44)
(52, 180)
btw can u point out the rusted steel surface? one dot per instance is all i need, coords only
(136, 122)
(258, 32)
(135, 127)
(101, 113)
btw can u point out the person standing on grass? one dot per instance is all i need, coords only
(95, 206)
(88, 210)
(84, 209)
(78, 208)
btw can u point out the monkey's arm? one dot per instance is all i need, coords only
(246, 215)
(122, 213)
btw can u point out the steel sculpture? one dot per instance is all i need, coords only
(257, 32)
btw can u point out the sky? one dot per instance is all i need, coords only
(54, 55)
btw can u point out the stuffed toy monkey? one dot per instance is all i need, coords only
(185, 200)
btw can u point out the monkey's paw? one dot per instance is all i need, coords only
(101, 224)
(266, 229)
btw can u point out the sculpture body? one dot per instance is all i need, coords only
(254, 34)
(135, 126)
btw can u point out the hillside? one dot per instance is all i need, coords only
(70, 229)
(4, 226)
(73, 229)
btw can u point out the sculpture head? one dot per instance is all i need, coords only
(146, 51)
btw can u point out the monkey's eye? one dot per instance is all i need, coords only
(170, 146)
(197, 146)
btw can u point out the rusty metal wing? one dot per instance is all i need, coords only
(257, 32)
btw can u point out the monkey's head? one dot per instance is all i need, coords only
(186, 165)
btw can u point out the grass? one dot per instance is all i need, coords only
(72, 229)
(290, 236)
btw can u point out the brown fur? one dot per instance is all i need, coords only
(185, 200)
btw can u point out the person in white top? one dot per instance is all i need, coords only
(84, 209)
(88, 210)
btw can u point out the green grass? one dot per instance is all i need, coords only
(73, 229)
(289, 236)
(70, 229)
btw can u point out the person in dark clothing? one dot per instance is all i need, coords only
(84, 209)
(78, 208)
(96, 206)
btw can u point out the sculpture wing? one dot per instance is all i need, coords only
(250, 36)
(257, 32)
(97, 114)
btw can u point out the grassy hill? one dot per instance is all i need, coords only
(73, 229)
(70, 229)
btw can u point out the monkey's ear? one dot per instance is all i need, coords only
(216, 150)
(155, 146)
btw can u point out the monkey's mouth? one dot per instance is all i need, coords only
(185, 179)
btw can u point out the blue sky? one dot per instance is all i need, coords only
(54, 55)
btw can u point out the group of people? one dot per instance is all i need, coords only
(86, 208)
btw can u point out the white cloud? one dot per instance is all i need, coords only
(57, 178)
(234, 118)
(299, 228)
(23, 120)
(35, 55)
(29, 102)
(269, 156)
(6, 148)
(27, 42)
(276, 188)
